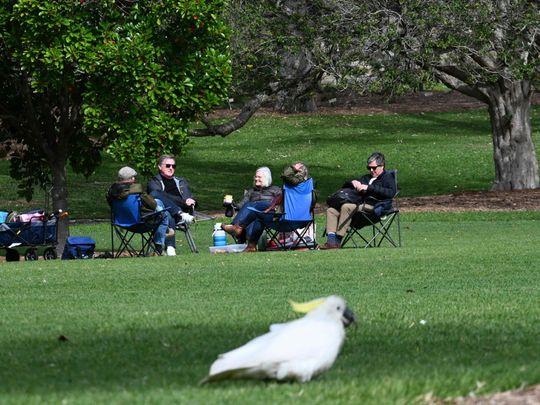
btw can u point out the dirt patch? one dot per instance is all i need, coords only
(519, 200)
(522, 396)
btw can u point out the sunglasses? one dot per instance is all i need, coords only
(168, 166)
(372, 167)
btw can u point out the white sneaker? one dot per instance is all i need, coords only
(171, 251)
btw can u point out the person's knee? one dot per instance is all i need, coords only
(347, 208)
(332, 211)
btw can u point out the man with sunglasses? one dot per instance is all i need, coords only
(378, 184)
(172, 190)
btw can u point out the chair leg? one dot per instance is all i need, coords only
(191, 241)
(189, 237)
(379, 232)
(399, 229)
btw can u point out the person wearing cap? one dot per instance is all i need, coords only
(127, 185)
(378, 184)
(172, 190)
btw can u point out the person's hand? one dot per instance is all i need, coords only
(190, 201)
(187, 218)
(359, 186)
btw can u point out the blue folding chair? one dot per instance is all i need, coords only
(290, 229)
(127, 221)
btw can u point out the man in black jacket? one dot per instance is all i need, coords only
(172, 190)
(377, 184)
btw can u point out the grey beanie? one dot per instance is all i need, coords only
(126, 173)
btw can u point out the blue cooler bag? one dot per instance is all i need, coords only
(79, 247)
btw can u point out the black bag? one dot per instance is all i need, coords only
(79, 247)
(343, 196)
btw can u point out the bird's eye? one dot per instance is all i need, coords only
(339, 308)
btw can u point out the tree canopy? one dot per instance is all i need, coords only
(487, 49)
(80, 77)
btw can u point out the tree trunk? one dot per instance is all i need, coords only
(516, 165)
(59, 196)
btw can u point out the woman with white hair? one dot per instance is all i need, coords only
(260, 196)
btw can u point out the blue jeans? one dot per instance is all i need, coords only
(253, 221)
(167, 202)
(161, 231)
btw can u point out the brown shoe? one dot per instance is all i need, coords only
(232, 229)
(330, 245)
(251, 247)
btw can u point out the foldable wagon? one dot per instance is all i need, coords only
(39, 231)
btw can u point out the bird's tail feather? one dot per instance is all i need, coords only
(227, 374)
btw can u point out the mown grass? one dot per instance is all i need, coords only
(146, 330)
(436, 153)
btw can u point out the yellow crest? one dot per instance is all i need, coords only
(305, 307)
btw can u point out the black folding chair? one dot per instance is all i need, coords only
(291, 229)
(380, 225)
(184, 227)
(127, 222)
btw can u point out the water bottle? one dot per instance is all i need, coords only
(219, 236)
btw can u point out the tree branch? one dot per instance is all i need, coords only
(230, 126)
(458, 85)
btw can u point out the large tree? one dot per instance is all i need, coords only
(80, 77)
(486, 49)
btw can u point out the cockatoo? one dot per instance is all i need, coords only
(296, 350)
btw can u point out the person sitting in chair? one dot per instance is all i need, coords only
(260, 196)
(377, 184)
(172, 190)
(126, 185)
(252, 223)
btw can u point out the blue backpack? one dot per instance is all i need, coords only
(79, 247)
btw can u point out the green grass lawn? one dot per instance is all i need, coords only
(435, 153)
(147, 330)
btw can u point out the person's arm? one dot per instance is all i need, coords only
(246, 198)
(154, 185)
(187, 197)
(384, 189)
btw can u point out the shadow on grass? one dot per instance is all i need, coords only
(178, 356)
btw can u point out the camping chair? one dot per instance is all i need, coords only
(184, 227)
(379, 221)
(126, 222)
(290, 229)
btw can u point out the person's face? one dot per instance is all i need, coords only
(258, 179)
(167, 167)
(374, 169)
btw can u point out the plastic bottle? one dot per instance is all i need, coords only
(219, 236)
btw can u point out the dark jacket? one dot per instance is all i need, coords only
(383, 189)
(156, 184)
(262, 194)
(293, 177)
(120, 191)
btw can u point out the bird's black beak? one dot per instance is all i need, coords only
(348, 317)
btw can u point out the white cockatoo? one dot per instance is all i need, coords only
(296, 350)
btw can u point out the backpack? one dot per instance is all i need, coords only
(79, 247)
(343, 196)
